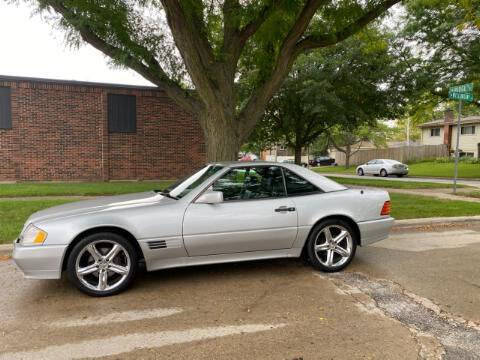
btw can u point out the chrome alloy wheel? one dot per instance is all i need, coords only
(333, 246)
(102, 265)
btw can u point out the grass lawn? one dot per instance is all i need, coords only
(80, 189)
(14, 213)
(433, 169)
(473, 194)
(334, 169)
(413, 206)
(426, 169)
(390, 184)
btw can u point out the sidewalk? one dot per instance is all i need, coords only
(467, 182)
(438, 193)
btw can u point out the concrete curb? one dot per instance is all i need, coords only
(435, 221)
(6, 250)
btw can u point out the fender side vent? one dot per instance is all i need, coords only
(157, 244)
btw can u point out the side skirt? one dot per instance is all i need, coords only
(222, 258)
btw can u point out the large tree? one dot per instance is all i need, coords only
(347, 85)
(197, 51)
(348, 139)
(445, 37)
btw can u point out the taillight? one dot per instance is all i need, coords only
(387, 207)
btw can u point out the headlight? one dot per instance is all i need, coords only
(33, 236)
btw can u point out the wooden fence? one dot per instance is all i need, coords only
(403, 154)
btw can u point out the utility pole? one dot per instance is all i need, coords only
(457, 154)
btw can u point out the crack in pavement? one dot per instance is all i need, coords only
(438, 334)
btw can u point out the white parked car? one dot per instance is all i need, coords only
(383, 167)
(224, 212)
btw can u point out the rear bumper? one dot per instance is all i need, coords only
(398, 172)
(375, 230)
(39, 262)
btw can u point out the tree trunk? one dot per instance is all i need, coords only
(348, 152)
(222, 141)
(298, 155)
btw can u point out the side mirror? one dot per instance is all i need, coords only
(210, 197)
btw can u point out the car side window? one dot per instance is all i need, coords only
(379, 162)
(252, 182)
(296, 185)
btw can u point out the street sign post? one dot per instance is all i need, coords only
(462, 93)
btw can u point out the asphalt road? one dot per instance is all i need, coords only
(416, 295)
(474, 183)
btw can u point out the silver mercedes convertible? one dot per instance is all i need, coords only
(225, 212)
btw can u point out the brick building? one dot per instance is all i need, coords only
(70, 130)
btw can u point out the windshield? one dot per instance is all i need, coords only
(187, 184)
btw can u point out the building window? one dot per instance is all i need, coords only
(466, 154)
(435, 132)
(122, 113)
(5, 108)
(468, 130)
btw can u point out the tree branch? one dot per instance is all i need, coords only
(318, 41)
(234, 37)
(358, 148)
(254, 108)
(188, 31)
(149, 68)
(330, 140)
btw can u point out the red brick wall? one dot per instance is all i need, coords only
(60, 133)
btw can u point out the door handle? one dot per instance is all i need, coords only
(284, 208)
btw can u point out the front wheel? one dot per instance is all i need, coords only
(331, 245)
(102, 264)
(383, 173)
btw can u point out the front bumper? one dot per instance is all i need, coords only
(39, 262)
(375, 230)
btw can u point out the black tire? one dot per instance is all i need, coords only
(314, 257)
(360, 172)
(103, 240)
(383, 173)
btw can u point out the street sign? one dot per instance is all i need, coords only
(460, 96)
(465, 88)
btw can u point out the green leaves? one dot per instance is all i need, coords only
(347, 87)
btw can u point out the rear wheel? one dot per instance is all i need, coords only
(360, 172)
(102, 264)
(383, 173)
(331, 245)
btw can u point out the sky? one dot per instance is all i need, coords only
(30, 47)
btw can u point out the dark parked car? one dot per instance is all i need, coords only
(322, 161)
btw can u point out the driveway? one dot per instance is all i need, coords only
(415, 295)
(474, 183)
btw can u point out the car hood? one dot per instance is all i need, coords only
(100, 204)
